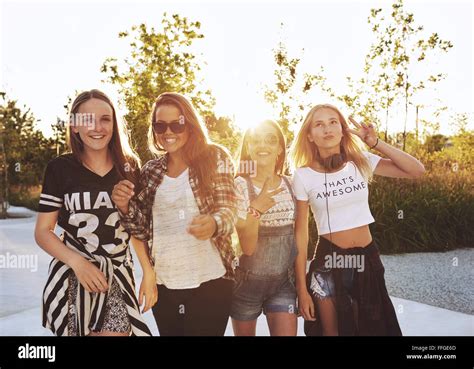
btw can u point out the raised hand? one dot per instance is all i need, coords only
(202, 227)
(366, 132)
(265, 200)
(121, 195)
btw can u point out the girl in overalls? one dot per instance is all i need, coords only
(265, 227)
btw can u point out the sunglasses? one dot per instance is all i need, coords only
(176, 127)
(269, 139)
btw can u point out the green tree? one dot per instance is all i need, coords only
(290, 89)
(461, 122)
(3, 166)
(25, 149)
(223, 131)
(400, 48)
(58, 140)
(397, 67)
(435, 142)
(160, 60)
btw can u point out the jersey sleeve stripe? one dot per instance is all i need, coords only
(42, 202)
(50, 197)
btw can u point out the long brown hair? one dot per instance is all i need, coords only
(244, 157)
(126, 162)
(199, 152)
(304, 152)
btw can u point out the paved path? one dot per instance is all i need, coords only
(20, 295)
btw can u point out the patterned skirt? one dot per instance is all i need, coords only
(116, 315)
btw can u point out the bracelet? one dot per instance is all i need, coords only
(254, 212)
(376, 143)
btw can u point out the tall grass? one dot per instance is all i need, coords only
(431, 214)
(434, 213)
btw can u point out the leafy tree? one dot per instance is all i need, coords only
(24, 148)
(3, 166)
(391, 72)
(290, 88)
(223, 131)
(160, 60)
(401, 47)
(435, 142)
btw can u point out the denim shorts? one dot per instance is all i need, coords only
(254, 293)
(322, 282)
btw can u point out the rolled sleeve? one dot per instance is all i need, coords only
(137, 220)
(225, 201)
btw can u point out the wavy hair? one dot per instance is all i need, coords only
(199, 152)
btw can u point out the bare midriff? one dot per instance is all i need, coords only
(354, 237)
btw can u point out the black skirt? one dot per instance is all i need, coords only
(365, 310)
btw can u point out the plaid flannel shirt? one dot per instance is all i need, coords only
(221, 205)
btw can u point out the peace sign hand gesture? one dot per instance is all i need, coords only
(366, 132)
(265, 200)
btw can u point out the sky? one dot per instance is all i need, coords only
(50, 49)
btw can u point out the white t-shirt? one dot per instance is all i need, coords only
(280, 214)
(181, 260)
(345, 198)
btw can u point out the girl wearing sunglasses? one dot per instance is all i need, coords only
(266, 215)
(184, 207)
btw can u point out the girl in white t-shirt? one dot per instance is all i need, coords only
(344, 292)
(184, 207)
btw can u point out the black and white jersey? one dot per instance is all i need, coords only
(83, 198)
(92, 228)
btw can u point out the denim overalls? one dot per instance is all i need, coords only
(265, 279)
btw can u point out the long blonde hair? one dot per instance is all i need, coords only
(304, 153)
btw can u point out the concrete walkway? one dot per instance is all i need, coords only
(21, 289)
(415, 320)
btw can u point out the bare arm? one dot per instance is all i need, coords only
(398, 165)
(148, 288)
(141, 249)
(247, 231)
(50, 242)
(87, 273)
(302, 237)
(305, 303)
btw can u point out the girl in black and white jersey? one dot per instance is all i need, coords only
(90, 289)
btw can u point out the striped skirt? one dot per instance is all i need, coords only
(70, 310)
